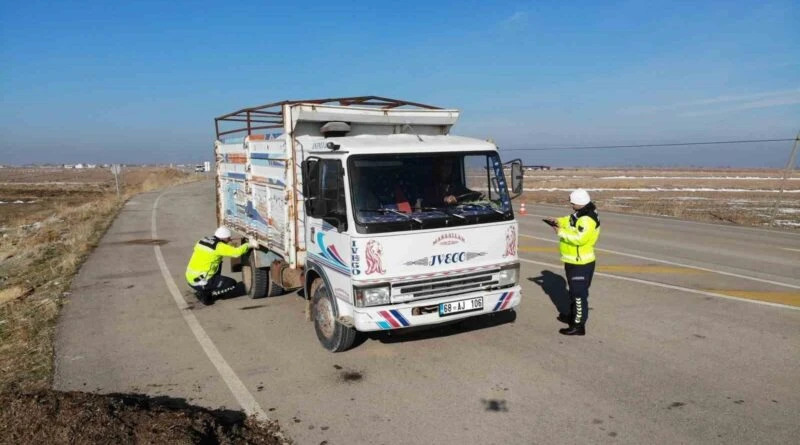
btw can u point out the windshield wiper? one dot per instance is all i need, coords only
(392, 211)
(484, 206)
(445, 210)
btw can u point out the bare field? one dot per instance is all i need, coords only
(732, 196)
(30, 193)
(49, 221)
(82, 176)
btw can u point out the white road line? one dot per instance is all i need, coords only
(791, 250)
(237, 388)
(673, 287)
(673, 263)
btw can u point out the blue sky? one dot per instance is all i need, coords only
(142, 81)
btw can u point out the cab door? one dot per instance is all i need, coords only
(326, 214)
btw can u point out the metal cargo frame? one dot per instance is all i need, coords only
(271, 116)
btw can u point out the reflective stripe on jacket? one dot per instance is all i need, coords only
(207, 258)
(578, 233)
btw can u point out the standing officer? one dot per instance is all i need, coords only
(578, 234)
(204, 270)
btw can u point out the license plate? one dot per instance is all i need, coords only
(455, 307)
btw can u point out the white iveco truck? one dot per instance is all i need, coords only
(369, 205)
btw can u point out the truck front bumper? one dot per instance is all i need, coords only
(426, 312)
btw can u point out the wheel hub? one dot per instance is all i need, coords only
(323, 314)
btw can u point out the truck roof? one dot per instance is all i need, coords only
(364, 112)
(400, 143)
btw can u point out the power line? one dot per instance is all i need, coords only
(675, 144)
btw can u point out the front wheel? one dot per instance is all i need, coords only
(334, 336)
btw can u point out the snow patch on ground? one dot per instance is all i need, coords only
(713, 178)
(784, 222)
(659, 189)
(736, 178)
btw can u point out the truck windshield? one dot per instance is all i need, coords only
(420, 191)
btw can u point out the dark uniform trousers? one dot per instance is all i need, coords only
(579, 277)
(217, 286)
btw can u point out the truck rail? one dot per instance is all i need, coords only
(270, 116)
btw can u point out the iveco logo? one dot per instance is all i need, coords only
(448, 258)
(445, 258)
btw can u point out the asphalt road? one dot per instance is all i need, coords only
(693, 337)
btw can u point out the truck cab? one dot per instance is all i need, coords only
(396, 222)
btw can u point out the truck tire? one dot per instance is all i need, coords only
(274, 289)
(333, 336)
(255, 279)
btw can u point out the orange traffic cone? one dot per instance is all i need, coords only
(522, 210)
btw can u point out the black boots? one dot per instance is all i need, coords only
(205, 297)
(573, 330)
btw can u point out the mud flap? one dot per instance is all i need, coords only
(236, 264)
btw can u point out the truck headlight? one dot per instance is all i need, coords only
(372, 296)
(508, 276)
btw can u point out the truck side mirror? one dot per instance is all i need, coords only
(517, 177)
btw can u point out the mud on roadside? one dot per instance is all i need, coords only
(49, 416)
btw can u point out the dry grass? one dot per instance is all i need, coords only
(742, 197)
(40, 250)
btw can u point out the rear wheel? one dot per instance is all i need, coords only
(255, 279)
(273, 289)
(334, 336)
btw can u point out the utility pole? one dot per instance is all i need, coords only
(786, 173)
(116, 168)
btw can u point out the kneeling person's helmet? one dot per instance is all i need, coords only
(222, 233)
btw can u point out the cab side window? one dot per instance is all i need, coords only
(332, 188)
(323, 187)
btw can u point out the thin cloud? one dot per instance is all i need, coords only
(703, 107)
(766, 103)
(516, 17)
(515, 20)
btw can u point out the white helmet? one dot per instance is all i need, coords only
(579, 197)
(222, 233)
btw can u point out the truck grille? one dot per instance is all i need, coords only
(444, 286)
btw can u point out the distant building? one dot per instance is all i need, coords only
(69, 166)
(80, 166)
(536, 167)
(91, 165)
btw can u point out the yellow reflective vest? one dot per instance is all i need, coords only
(578, 233)
(207, 258)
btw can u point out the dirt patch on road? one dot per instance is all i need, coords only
(144, 242)
(75, 417)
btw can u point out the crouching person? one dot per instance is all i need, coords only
(204, 272)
